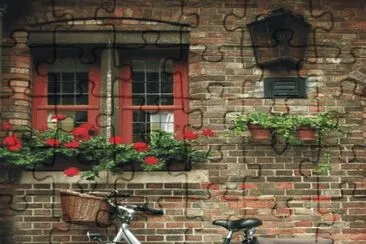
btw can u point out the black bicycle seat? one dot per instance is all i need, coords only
(238, 224)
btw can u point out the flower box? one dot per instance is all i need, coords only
(53, 150)
(259, 133)
(60, 163)
(306, 133)
(286, 127)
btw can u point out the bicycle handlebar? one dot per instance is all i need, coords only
(115, 193)
(141, 208)
(146, 209)
(112, 194)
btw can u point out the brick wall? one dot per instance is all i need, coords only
(245, 178)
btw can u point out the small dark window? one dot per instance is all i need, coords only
(285, 87)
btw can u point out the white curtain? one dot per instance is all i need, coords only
(162, 121)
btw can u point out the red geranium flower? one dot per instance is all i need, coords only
(15, 148)
(141, 146)
(88, 126)
(190, 135)
(53, 142)
(71, 171)
(208, 132)
(115, 140)
(80, 133)
(58, 117)
(151, 160)
(11, 141)
(72, 144)
(6, 126)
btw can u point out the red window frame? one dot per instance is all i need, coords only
(40, 106)
(180, 99)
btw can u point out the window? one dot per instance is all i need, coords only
(65, 87)
(152, 93)
(154, 97)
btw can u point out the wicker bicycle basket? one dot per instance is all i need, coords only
(85, 209)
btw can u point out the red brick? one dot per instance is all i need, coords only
(247, 186)
(285, 185)
(303, 224)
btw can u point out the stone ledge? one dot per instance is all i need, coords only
(101, 38)
(194, 176)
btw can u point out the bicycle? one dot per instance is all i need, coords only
(125, 214)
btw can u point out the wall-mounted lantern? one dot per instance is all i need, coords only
(279, 39)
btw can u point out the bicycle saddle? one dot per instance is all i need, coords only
(238, 223)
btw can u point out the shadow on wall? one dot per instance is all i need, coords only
(5, 230)
(7, 178)
(14, 10)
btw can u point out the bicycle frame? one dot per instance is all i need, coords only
(124, 216)
(227, 239)
(125, 234)
(249, 237)
(125, 213)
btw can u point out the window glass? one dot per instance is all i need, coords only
(66, 88)
(152, 82)
(144, 122)
(72, 120)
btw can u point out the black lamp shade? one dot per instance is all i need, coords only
(279, 39)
